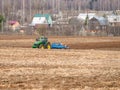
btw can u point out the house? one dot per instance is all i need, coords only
(39, 19)
(114, 20)
(98, 23)
(114, 24)
(83, 16)
(14, 25)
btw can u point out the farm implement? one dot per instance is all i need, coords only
(43, 43)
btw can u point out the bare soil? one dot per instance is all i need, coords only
(91, 63)
(73, 42)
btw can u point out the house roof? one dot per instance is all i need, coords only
(12, 22)
(84, 15)
(43, 15)
(113, 18)
(41, 19)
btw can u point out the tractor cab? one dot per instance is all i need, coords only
(42, 39)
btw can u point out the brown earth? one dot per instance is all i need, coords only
(92, 63)
(73, 42)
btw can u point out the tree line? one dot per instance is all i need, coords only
(14, 9)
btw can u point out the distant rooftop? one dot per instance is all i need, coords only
(84, 15)
(42, 15)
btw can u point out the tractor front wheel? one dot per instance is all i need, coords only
(41, 46)
(48, 46)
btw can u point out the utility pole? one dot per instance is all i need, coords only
(2, 14)
(43, 6)
(30, 9)
(53, 3)
(23, 4)
(118, 5)
(13, 10)
(58, 5)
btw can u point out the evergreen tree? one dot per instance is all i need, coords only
(1, 20)
(86, 20)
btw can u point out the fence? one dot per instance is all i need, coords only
(65, 30)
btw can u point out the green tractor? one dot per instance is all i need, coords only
(42, 43)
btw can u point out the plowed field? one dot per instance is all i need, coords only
(91, 63)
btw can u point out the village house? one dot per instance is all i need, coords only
(84, 18)
(98, 23)
(114, 20)
(14, 25)
(42, 19)
(114, 24)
